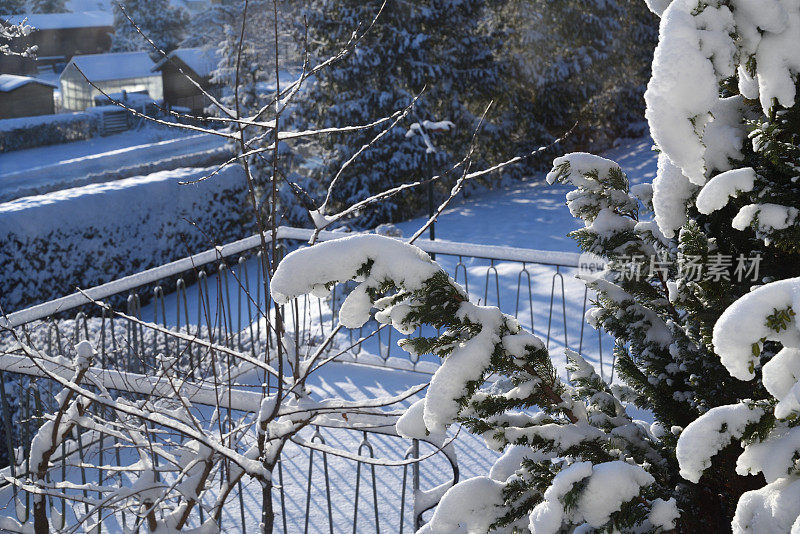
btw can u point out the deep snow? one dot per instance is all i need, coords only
(529, 215)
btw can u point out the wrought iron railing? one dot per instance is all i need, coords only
(219, 296)
(310, 503)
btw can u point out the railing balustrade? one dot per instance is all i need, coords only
(219, 296)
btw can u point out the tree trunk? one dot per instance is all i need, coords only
(267, 512)
(40, 523)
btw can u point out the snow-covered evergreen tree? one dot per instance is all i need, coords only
(217, 21)
(436, 45)
(12, 7)
(700, 296)
(248, 68)
(49, 6)
(245, 73)
(161, 22)
(219, 27)
(205, 30)
(570, 60)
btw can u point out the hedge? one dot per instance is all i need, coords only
(51, 244)
(30, 132)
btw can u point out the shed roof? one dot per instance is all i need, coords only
(203, 61)
(114, 66)
(63, 21)
(12, 82)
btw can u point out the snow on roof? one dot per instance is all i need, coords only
(202, 61)
(61, 21)
(11, 82)
(116, 66)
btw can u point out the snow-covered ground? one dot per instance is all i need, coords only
(527, 215)
(141, 151)
(530, 214)
(23, 160)
(533, 215)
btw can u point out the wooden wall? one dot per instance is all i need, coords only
(178, 91)
(28, 100)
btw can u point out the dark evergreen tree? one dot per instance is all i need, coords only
(12, 7)
(569, 60)
(161, 22)
(437, 46)
(49, 6)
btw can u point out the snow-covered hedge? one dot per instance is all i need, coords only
(30, 132)
(50, 244)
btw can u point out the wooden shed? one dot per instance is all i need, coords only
(23, 96)
(113, 73)
(197, 63)
(60, 36)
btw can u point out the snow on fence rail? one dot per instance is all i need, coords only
(528, 283)
(213, 301)
(127, 283)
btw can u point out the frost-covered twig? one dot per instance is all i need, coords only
(383, 195)
(364, 148)
(459, 183)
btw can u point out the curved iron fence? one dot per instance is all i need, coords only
(219, 296)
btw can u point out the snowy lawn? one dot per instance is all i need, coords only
(20, 160)
(531, 214)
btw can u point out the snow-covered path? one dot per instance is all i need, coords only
(51, 168)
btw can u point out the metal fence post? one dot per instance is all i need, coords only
(415, 483)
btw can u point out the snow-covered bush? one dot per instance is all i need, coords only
(96, 233)
(700, 297)
(30, 132)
